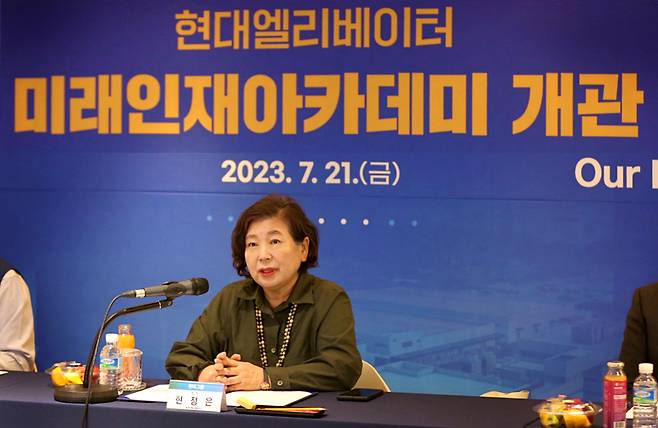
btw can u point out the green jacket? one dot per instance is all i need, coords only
(322, 353)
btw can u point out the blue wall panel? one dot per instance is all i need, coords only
(486, 266)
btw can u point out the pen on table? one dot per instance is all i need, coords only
(293, 409)
(248, 404)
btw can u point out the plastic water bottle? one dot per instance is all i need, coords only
(109, 368)
(614, 396)
(644, 398)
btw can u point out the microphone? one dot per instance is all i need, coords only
(88, 392)
(192, 287)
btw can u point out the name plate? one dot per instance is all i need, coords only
(197, 396)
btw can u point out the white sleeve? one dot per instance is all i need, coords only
(17, 350)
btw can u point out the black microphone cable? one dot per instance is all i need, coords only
(89, 371)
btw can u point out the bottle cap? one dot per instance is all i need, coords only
(111, 338)
(125, 329)
(615, 365)
(645, 368)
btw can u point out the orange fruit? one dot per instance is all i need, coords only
(57, 377)
(548, 419)
(576, 420)
(73, 377)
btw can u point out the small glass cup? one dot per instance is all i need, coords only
(131, 369)
(74, 372)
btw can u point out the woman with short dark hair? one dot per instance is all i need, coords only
(281, 327)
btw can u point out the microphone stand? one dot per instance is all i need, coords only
(97, 393)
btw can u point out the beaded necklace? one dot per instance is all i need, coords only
(286, 335)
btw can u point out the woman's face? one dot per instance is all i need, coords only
(272, 255)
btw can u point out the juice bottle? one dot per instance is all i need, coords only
(126, 337)
(614, 396)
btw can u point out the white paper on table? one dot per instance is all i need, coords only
(154, 394)
(3, 372)
(267, 398)
(158, 394)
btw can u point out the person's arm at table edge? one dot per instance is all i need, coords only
(188, 358)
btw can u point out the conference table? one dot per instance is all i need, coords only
(26, 400)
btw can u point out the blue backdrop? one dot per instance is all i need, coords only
(477, 237)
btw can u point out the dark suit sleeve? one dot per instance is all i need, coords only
(634, 347)
(186, 359)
